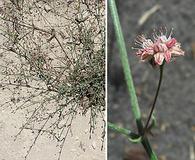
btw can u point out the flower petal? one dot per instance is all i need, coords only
(171, 43)
(160, 47)
(176, 50)
(159, 58)
(167, 56)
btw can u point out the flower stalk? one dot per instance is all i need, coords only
(155, 99)
(129, 81)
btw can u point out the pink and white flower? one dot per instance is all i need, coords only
(161, 48)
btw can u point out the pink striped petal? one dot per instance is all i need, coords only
(167, 56)
(176, 50)
(171, 42)
(159, 58)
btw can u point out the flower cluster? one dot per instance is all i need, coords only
(161, 48)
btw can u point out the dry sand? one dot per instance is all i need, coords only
(78, 146)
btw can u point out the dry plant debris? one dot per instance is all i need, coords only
(52, 62)
(147, 14)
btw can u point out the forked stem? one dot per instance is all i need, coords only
(129, 80)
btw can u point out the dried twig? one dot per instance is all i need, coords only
(146, 15)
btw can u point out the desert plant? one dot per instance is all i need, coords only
(157, 52)
(53, 58)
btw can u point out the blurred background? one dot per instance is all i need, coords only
(174, 136)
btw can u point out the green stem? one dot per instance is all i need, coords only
(145, 141)
(124, 60)
(121, 130)
(155, 98)
(129, 81)
(132, 137)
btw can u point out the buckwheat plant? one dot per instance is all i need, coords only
(52, 64)
(158, 51)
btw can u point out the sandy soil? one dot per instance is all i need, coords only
(78, 145)
(174, 137)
